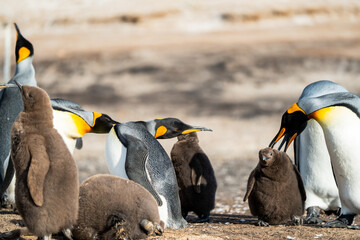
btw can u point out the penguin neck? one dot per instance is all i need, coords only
(150, 126)
(25, 72)
(341, 128)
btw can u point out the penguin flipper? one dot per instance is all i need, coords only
(196, 171)
(136, 158)
(300, 183)
(79, 143)
(39, 166)
(250, 185)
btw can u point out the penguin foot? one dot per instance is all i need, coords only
(296, 221)
(343, 221)
(147, 226)
(6, 203)
(11, 235)
(159, 230)
(67, 233)
(354, 227)
(313, 215)
(261, 223)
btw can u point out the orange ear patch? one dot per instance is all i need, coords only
(160, 131)
(23, 53)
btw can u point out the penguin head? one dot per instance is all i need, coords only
(267, 156)
(293, 122)
(71, 119)
(34, 98)
(24, 48)
(173, 127)
(103, 123)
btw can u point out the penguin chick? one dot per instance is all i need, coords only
(47, 187)
(195, 177)
(275, 190)
(111, 208)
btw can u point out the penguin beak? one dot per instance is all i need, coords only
(19, 86)
(293, 122)
(288, 138)
(8, 86)
(195, 129)
(102, 123)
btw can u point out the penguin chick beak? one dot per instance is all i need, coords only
(103, 123)
(195, 129)
(19, 86)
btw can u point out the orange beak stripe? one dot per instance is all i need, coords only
(281, 134)
(291, 139)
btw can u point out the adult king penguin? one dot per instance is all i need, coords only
(338, 114)
(311, 154)
(133, 153)
(11, 103)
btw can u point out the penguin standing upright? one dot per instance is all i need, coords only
(311, 154)
(338, 114)
(133, 153)
(47, 185)
(195, 177)
(275, 190)
(10, 100)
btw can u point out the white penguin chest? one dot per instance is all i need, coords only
(115, 155)
(341, 128)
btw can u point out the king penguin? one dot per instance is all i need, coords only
(11, 103)
(311, 154)
(132, 152)
(338, 114)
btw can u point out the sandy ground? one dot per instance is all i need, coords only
(236, 76)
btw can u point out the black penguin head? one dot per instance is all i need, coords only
(173, 127)
(23, 48)
(293, 122)
(35, 99)
(267, 156)
(103, 123)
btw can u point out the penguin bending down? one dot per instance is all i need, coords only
(129, 212)
(195, 177)
(47, 185)
(133, 153)
(311, 154)
(275, 190)
(338, 115)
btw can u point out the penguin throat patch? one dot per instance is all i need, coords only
(23, 53)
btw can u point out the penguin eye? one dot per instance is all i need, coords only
(30, 95)
(271, 154)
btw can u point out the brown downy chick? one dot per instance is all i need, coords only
(47, 185)
(114, 208)
(195, 177)
(275, 189)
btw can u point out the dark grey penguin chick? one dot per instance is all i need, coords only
(195, 177)
(112, 208)
(275, 190)
(47, 185)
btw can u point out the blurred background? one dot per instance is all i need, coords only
(231, 65)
